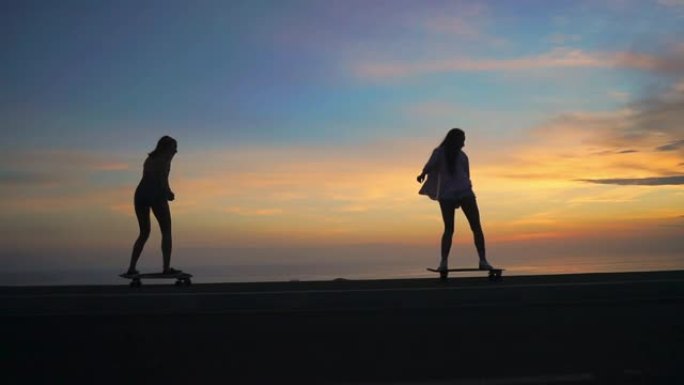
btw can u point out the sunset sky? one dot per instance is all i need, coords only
(303, 124)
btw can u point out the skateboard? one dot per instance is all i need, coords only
(494, 274)
(182, 279)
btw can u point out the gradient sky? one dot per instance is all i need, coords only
(304, 123)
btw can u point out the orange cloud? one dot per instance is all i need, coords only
(671, 62)
(315, 195)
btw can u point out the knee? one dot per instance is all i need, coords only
(448, 230)
(477, 231)
(144, 234)
(165, 232)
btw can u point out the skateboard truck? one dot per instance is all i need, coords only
(182, 279)
(494, 274)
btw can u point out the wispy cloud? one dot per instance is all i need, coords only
(613, 152)
(638, 145)
(71, 160)
(453, 25)
(656, 181)
(619, 95)
(672, 146)
(465, 22)
(432, 109)
(671, 62)
(23, 178)
(564, 39)
(671, 3)
(649, 124)
(253, 212)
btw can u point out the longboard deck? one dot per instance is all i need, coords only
(462, 269)
(156, 275)
(182, 279)
(494, 274)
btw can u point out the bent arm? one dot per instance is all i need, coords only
(165, 179)
(431, 165)
(466, 167)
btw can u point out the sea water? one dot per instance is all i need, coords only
(351, 268)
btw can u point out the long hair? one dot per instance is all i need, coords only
(452, 144)
(165, 142)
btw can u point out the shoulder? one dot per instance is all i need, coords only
(154, 163)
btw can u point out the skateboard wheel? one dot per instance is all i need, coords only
(178, 283)
(136, 283)
(187, 282)
(443, 275)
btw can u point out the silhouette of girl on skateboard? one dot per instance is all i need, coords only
(448, 181)
(154, 193)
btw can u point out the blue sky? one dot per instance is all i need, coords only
(280, 71)
(262, 94)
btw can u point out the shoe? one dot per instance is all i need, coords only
(484, 265)
(443, 266)
(171, 270)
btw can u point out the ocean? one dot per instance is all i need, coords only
(350, 268)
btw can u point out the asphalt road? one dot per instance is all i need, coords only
(593, 328)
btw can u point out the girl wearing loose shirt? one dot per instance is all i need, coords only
(448, 182)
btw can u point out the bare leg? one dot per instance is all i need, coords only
(143, 215)
(472, 213)
(448, 209)
(163, 214)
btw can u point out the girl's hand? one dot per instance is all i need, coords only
(171, 196)
(420, 178)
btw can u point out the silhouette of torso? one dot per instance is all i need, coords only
(442, 184)
(154, 185)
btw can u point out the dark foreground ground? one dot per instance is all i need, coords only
(569, 329)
